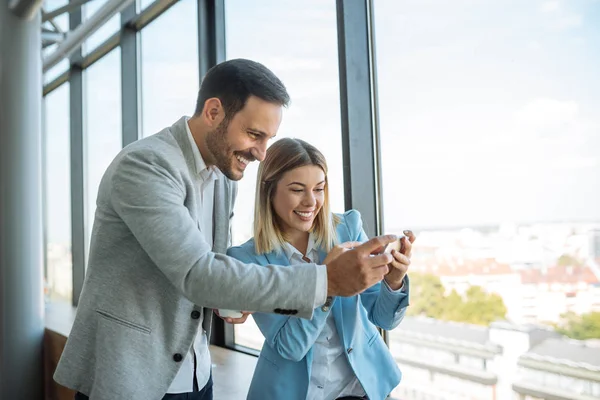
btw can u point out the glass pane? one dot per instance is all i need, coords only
(62, 22)
(489, 112)
(103, 125)
(145, 3)
(105, 31)
(169, 67)
(57, 183)
(56, 71)
(298, 42)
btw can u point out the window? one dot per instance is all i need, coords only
(489, 130)
(103, 125)
(298, 42)
(170, 80)
(57, 193)
(62, 22)
(110, 27)
(56, 70)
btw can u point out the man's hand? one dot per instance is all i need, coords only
(241, 320)
(339, 249)
(399, 266)
(353, 271)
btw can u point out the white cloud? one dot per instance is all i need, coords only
(534, 45)
(280, 64)
(544, 112)
(550, 6)
(568, 21)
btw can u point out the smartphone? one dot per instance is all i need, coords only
(395, 245)
(230, 314)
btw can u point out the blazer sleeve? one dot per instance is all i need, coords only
(147, 193)
(289, 336)
(385, 307)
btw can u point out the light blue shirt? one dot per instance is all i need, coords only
(184, 380)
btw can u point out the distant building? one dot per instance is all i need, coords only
(558, 369)
(444, 360)
(452, 361)
(548, 293)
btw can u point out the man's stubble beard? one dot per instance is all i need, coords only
(217, 144)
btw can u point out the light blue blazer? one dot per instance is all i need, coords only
(284, 366)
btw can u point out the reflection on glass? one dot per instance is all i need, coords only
(490, 130)
(57, 176)
(298, 42)
(169, 67)
(103, 125)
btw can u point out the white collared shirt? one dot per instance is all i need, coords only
(331, 374)
(184, 380)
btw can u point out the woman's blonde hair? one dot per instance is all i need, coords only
(285, 155)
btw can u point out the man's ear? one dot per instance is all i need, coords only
(213, 112)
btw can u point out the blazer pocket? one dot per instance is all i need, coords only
(123, 322)
(270, 362)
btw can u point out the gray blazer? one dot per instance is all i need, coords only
(150, 272)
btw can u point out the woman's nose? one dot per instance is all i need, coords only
(309, 199)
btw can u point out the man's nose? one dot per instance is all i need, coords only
(259, 152)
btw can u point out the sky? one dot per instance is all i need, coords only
(487, 109)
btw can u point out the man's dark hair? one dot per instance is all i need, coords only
(234, 81)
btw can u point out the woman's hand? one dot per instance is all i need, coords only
(229, 320)
(399, 267)
(339, 249)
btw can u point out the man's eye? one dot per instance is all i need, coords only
(253, 135)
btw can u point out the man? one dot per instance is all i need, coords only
(156, 265)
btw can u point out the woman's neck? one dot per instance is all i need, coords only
(299, 240)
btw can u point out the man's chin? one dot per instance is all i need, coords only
(234, 175)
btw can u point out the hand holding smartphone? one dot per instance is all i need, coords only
(399, 245)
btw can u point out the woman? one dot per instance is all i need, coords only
(339, 352)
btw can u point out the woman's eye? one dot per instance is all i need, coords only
(296, 190)
(319, 189)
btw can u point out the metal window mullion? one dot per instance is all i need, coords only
(211, 51)
(137, 22)
(130, 78)
(44, 144)
(360, 139)
(211, 34)
(360, 120)
(77, 134)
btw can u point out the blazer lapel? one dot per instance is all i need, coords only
(179, 132)
(277, 258)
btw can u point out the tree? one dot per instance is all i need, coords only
(567, 260)
(426, 295)
(580, 327)
(482, 308)
(428, 298)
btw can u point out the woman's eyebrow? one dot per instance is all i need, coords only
(302, 184)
